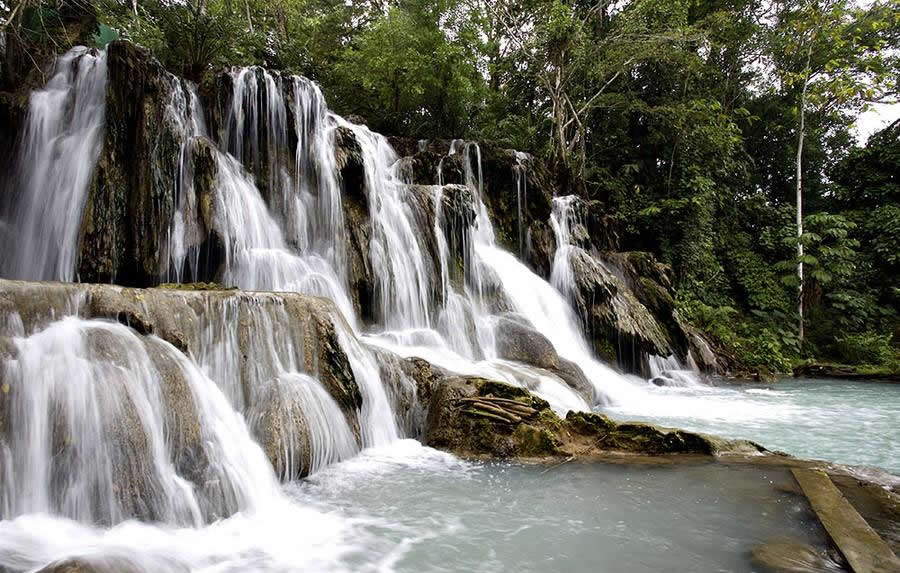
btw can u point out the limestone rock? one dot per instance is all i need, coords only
(183, 317)
(476, 417)
(613, 316)
(130, 199)
(517, 340)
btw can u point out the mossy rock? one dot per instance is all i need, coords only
(485, 418)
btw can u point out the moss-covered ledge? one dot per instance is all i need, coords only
(475, 417)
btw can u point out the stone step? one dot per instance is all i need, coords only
(864, 549)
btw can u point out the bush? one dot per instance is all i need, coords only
(763, 350)
(756, 342)
(866, 348)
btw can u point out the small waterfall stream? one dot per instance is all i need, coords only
(60, 145)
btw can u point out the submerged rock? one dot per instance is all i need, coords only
(792, 557)
(478, 417)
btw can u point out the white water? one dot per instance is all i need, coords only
(59, 147)
(93, 418)
(404, 508)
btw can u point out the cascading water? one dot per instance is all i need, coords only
(183, 237)
(103, 416)
(563, 219)
(60, 145)
(289, 236)
(521, 172)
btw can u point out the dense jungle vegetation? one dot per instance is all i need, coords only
(693, 122)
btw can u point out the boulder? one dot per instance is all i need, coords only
(517, 340)
(471, 416)
(573, 375)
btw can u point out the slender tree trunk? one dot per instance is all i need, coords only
(799, 165)
(249, 21)
(800, 225)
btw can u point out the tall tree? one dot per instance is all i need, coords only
(834, 60)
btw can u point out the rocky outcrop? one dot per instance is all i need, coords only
(482, 418)
(622, 329)
(131, 199)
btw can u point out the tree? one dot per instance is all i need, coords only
(835, 61)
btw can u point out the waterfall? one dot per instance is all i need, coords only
(59, 147)
(103, 418)
(563, 219)
(443, 288)
(520, 170)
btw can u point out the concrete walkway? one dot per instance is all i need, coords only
(864, 549)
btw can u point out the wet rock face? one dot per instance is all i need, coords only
(517, 340)
(500, 170)
(614, 317)
(131, 201)
(477, 417)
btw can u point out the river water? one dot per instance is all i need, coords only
(405, 507)
(849, 422)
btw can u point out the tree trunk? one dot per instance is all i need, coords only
(249, 21)
(800, 226)
(799, 165)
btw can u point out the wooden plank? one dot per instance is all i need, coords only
(865, 550)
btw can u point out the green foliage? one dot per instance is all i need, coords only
(756, 342)
(829, 251)
(867, 348)
(404, 75)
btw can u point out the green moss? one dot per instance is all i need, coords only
(501, 390)
(533, 441)
(605, 350)
(549, 419)
(587, 423)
